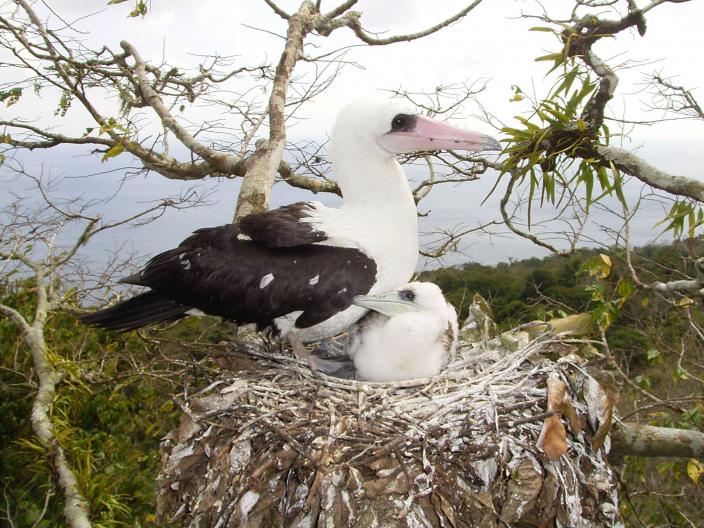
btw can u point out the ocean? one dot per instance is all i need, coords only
(448, 207)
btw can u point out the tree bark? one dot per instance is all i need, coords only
(257, 184)
(651, 441)
(635, 166)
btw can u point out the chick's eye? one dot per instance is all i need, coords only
(407, 295)
(398, 122)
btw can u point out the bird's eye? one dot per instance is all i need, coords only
(407, 295)
(399, 122)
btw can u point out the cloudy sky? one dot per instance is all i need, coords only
(492, 43)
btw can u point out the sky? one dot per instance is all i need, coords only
(492, 43)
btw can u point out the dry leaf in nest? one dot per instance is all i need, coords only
(601, 407)
(553, 437)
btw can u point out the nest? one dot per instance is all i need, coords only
(275, 444)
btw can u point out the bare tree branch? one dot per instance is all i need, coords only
(651, 441)
(223, 162)
(353, 21)
(635, 166)
(254, 194)
(283, 14)
(670, 98)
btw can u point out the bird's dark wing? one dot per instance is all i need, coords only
(282, 227)
(218, 272)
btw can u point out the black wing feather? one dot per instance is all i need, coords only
(143, 310)
(282, 227)
(218, 272)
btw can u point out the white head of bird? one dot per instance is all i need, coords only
(412, 334)
(370, 131)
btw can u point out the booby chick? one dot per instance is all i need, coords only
(298, 268)
(411, 332)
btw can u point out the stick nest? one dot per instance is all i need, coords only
(274, 444)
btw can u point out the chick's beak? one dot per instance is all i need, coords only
(388, 304)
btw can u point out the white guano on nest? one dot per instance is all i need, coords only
(274, 444)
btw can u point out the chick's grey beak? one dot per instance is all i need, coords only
(388, 304)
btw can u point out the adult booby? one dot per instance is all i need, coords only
(299, 267)
(411, 332)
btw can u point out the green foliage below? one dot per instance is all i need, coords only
(108, 416)
(519, 292)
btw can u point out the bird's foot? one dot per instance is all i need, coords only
(299, 349)
(339, 368)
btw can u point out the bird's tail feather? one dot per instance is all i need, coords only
(143, 310)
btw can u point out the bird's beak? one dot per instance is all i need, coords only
(428, 134)
(388, 304)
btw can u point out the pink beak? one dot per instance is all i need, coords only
(428, 134)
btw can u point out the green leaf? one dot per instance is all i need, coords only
(680, 374)
(617, 185)
(624, 289)
(567, 81)
(140, 9)
(643, 381)
(578, 96)
(599, 266)
(11, 96)
(607, 134)
(531, 193)
(64, 104)
(683, 213)
(587, 176)
(542, 28)
(653, 354)
(549, 57)
(554, 111)
(115, 150)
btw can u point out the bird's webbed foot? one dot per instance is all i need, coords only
(341, 368)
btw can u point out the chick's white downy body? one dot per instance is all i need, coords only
(404, 339)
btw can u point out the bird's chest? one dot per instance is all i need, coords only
(388, 235)
(404, 348)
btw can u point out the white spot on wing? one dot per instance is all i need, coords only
(196, 312)
(343, 290)
(266, 280)
(314, 280)
(242, 236)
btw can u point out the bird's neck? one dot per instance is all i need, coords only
(371, 180)
(378, 214)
